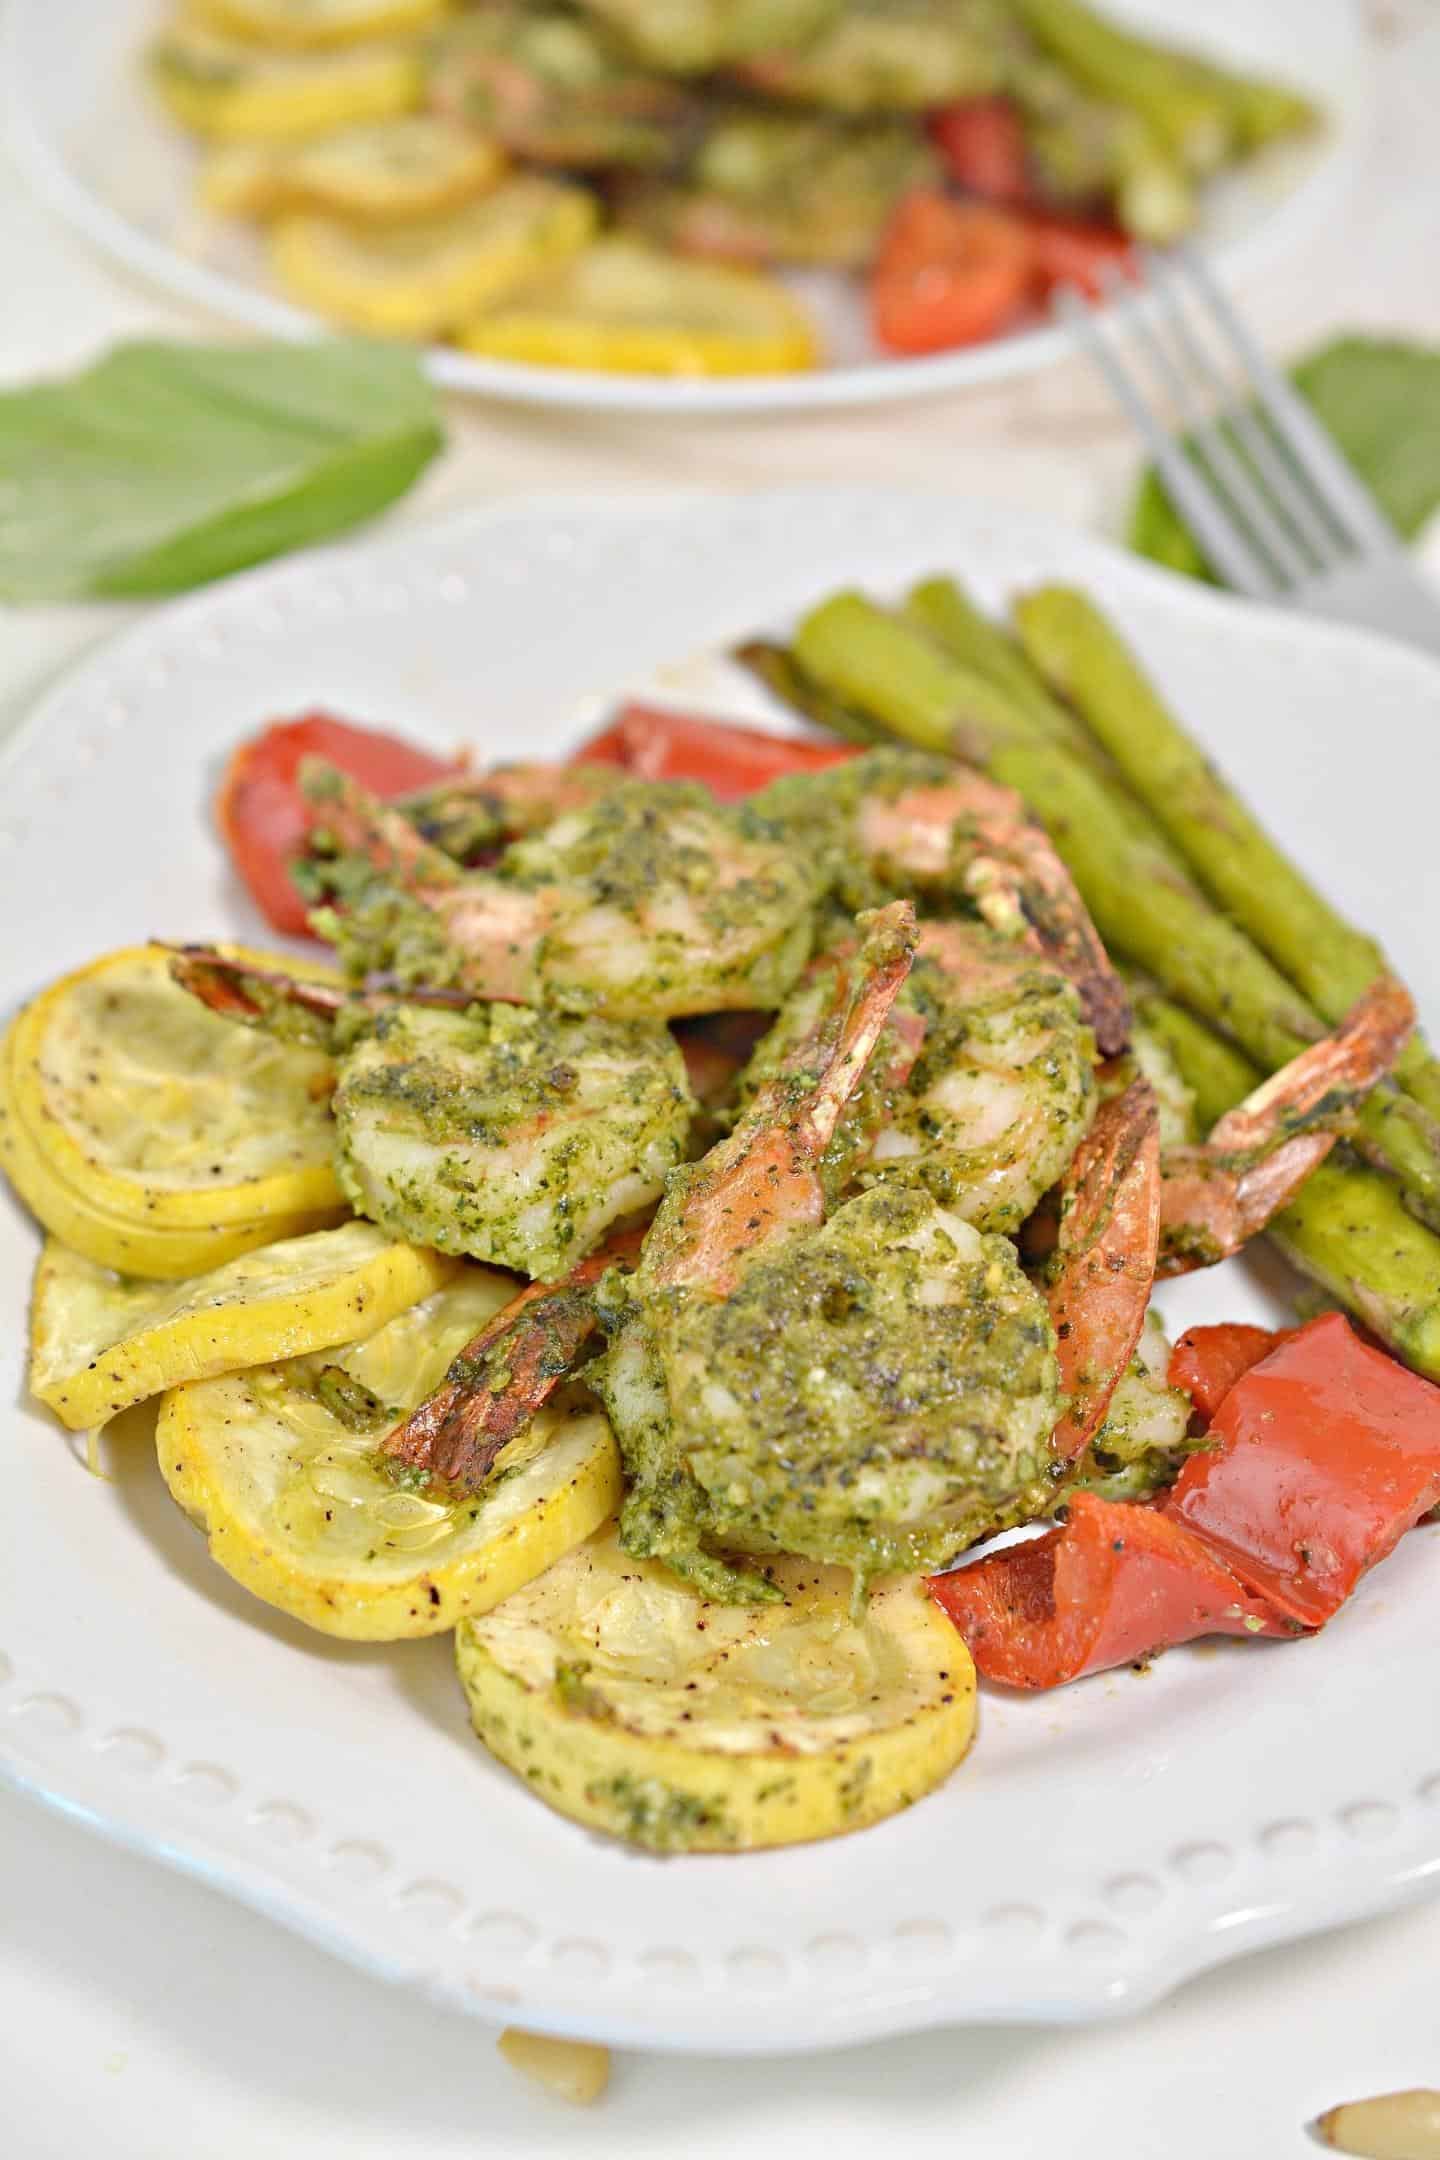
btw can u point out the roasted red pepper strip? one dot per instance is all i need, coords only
(731, 761)
(1112, 1584)
(263, 817)
(1207, 1361)
(982, 141)
(1324, 1456)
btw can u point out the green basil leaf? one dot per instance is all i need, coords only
(163, 466)
(1380, 399)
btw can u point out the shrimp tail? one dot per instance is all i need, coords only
(505, 1374)
(1018, 867)
(764, 1178)
(258, 997)
(1216, 1197)
(1103, 1265)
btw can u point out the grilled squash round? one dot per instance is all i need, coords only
(383, 173)
(101, 1341)
(280, 1467)
(305, 25)
(630, 309)
(152, 1136)
(423, 278)
(632, 1705)
(228, 91)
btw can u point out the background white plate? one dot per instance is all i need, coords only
(1101, 1843)
(89, 136)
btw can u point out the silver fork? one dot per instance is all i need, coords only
(1277, 512)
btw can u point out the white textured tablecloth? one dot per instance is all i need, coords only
(143, 2018)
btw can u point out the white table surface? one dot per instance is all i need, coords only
(144, 2018)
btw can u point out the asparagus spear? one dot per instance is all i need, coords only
(1347, 1228)
(1185, 109)
(941, 608)
(1084, 147)
(1143, 909)
(1084, 659)
(1204, 112)
(774, 665)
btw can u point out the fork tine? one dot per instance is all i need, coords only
(1224, 546)
(1306, 520)
(1346, 500)
(1207, 436)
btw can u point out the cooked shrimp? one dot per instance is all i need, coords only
(875, 1389)
(1003, 1089)
(983, 1088)
(1218, 1196)
(903, 821)
(766, 187)
(889, 56)
(1129, 1212)
(554, 89)
(649, 902)
(686, 37)
(506, 1133)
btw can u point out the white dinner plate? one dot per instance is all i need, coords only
(92, 140)
(1101, 1843)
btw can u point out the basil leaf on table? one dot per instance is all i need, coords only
(163, 466)
(1380, 399)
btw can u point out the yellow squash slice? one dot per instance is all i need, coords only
(308, 24)
(634, 1706)
(101, 1341)
(279, 1468)
(228, 91)
(153, 1136)
(381, 173)
(627, 308)
(421, 279)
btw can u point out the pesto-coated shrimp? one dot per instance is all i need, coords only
(891, 56)
(899, 821)
(510, 1134)
(876, 1389)
(686, 37)
(554, 88)
(1129, 1210)
(784, 188)
(983, 1087)
(1003, 1089)
(645, 902)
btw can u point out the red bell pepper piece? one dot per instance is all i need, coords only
(264, 818)
(1325, 1454)
(982, 141)
(1112, 1584)
(1077, 251)
(948, 273)
(731, 761)
(1207, 1361)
